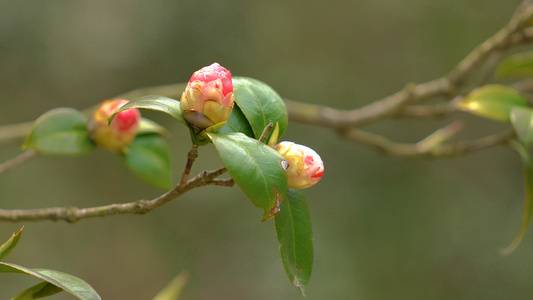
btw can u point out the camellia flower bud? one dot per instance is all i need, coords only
(122, 129)
(208, 98)
(305, 165)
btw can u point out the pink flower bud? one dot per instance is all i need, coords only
(122, 129)
(208, 98)
(305, 165)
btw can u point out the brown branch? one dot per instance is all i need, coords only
(508, 36)
(17, 160)
(398, 104)
(419, 149)
(74, 214)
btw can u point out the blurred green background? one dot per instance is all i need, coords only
(385, 227)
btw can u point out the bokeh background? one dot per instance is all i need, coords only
(385, 227)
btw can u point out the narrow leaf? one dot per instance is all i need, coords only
(293, 229)
(528, 207)
(255, 167)
(8, 246)
(522, 121)
(516, 66)
(159, 103)
(69, 283)
(493, 102)
(174, 288)
(237, 122)
(38, 291)
(61, 131)
(260, 104)
(148, 157)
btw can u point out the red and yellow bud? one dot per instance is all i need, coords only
(305, 165)
(208, 99)
(120, 132)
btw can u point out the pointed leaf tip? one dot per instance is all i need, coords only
(493, 101)
(294, 232)
(10, 244)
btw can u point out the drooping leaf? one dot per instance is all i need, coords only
(61, 131)
(255, 167)
(68, 283)
(148, 126)
(159, 103)
(148, 157)
(293, 229)
(10, 244)
(260, 103)
(237, 122)
(522, 121)
(516, 66)
(493, 102)
(528, 202)
(38, 291)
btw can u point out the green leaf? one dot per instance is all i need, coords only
(159, 103)
(8, 246)
(38, 291)
(293, 228)
(148, 126)
(493, 102)
(61, 131)
(255, 167)
(260, 104)
(174, 288)
(516, 66)
(148, 157)
(522, 121)
(70, 284)
(528, 207)
(237, 122)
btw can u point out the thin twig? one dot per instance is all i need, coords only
(74, 214)
(447, 85)
(14, 133)
(17, 160)
(416, 150)
(430, 111)
(191, 157)
(266, 132)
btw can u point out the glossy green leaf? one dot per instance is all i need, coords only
(61, 131)
(293, 228)
(159, 103)
(493, 102)
(522, 121)
(528, 202)
(148, 157)
(38, 291)
(148, 126)
(71, 284)
(255, 167)
(10, 244)
(516, 66)
(260, 104)
(237, 122)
